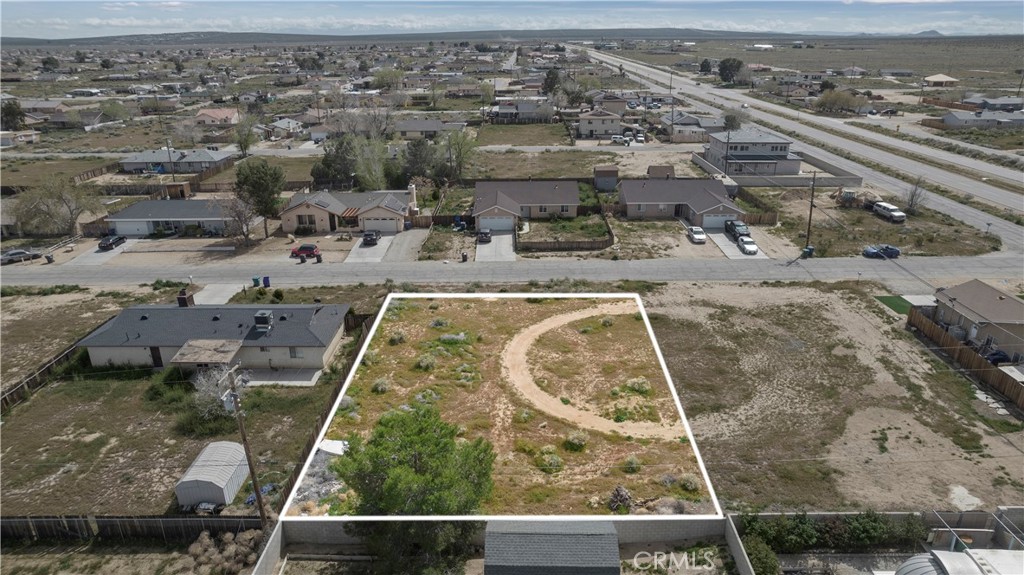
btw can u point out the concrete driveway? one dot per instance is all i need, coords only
(499, 249)
(215, 294)
(406, 246)
(731, 250)
(98, 257)
(370, 254)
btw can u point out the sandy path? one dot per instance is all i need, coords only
(516, 369)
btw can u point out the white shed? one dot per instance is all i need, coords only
(215, 476)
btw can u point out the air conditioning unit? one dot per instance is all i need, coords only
(264, 320)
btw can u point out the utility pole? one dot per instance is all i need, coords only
(170, 160)
(236, 401)
(814, 177)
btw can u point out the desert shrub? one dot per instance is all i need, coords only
(426, 362)
(397, 338)
(639, 385)
(762, 558)
(548, 449)
(576, 441)
(371, 357)
(439, 323)
(631, 464)
(382, 385)
(279, 294)
(587, 330)
(525, 446)
(453, 338)
(690, 482)
(607, 321)
(550, 463)
(524, 415)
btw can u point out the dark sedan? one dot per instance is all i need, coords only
(883, 252)
(111, 242)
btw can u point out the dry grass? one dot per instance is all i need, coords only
(538, 165)
(32, 172)
(522, 135)
(295, 169)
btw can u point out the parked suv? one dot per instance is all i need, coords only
(889, 212)
(370, 237)
(483, 236)
(735, 229)
(618, 140)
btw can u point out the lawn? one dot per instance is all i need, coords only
(32, 172)
(295, 169)
(522, 135)
(895, 303)
(538, 165)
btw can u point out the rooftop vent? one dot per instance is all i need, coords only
(264, 320)
(216, 317)
(144, 317)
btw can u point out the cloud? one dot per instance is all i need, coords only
(118, 6)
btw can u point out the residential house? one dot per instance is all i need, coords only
(703, 202)
(599, 123)
(940, 80)
(982, 119)
(613, 103)
(1001, 104)
(853, 72)
(174, 161)
(751, 152)
(683, 127)
(9, 138)
(982, 315)
(287, 128)
(217, 117)
(499, 205)
(896, 72)
(661, 172)
(44, 107)
(283, 336)
(606, 178)
(429, 129)
(325, 212)
(148, 216)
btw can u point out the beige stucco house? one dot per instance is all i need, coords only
(599, 123)
(325, 212)
(985, 316)
(702, 202)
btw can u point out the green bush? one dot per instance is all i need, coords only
(762, 559)
(382, 385)
(632, 464)
(550, 463)
(196, 422)
(426, 362)
(576, 441)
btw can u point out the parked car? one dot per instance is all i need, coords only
(307, 250)
(654, 106)
(735, 229)
(883, 251)
(890, 212)
(111, 242)
(888, 112)
(11, 256)
(209, 508)
(619, 140)
(998, 356)
(747, 245)
(640, 139)
(370, 237)
(696, 235)
(483, 236)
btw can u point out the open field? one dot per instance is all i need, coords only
(294, 169)
(579, 228)
(838, 231)
(538, 165)
(132, 137)
(522, 135)
(32, 172)
(525, 374)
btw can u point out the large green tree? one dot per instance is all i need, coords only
(12, 117)
(245, 137)
(729, 68)
(412, 464)
(420, 156)
(551, 81)
(338, 165)
(259, 185)
(50, 63)
(56, 205)
(459, 149)
(705, 66)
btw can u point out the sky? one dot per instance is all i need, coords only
(87, 19)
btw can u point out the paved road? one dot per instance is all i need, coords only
(780, 115)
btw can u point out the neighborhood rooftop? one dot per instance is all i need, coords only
(171, 210)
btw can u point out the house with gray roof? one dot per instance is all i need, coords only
(325, 212)
(295, 336)
(146, 217)
(1000, 104)
(499, 205)
(702, 202)
(429, 129)
(751, 152)
(683, 127)
(956, 119)
(164, 161)
(551, 548)
(983, 315)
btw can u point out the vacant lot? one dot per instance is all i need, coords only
(32, 172)
(132, 137)
(295, 169)
(445, 244)
(590, 227)
(593, 371)
(538, 165)
(839, 231)
(522, 135)
(813, 396)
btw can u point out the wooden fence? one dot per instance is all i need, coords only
(934, 123)
(761, 219)
(948, 104)
(208, 187)
(95, 173)
(24, 389)
(440, 220)
(976, 365)
(17, 530)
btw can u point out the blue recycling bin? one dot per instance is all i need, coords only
(266, 281)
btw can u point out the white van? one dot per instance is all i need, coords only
(618, 140)
(890, 212)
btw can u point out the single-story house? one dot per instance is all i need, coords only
(606, 177)
(983, 315)
(940, 80)
(215, 476)
(287, 128)
(217, 117)
(551, 548)
(982, 119)
(703, 202)
(286, 336)
(896, 72)
(146, 217)
(853, 72)
(683, 127)
(324, 212)
(9, 138)
(1001, 104)
(429, 129)
(499, 205)
(177, 161)
(599, 123)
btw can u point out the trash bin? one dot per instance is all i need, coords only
(302, 259)
(49, 259)
(256, 281)
(465, 257)
(807, 252)
(408, 225)
(319, 259)
(266, 281)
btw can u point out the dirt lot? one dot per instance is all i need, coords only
(524, 426)
(444, 244)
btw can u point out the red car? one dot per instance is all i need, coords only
(308, 250)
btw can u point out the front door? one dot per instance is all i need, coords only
(524, 212)
(333, 221)
(157, 360)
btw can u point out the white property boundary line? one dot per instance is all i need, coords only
(358, 361)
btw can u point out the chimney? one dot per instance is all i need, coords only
(413, 208)
(186, 299)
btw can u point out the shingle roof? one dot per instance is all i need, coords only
(983, 302)
(418, 125)
(749, 135)
(599, 113)
(148, 210)
(700, 194)
(511, 195)
(299, 325)
(386, 201)
(555, 546)
(220, 113)
(216, 463)
(338, 202)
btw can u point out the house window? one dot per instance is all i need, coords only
(662, 207)
(641, 207)
(306, 219)
(543, 209)
(564, 209)
(294, 353)
(264, 349)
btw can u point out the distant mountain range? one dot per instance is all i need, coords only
(260, 38)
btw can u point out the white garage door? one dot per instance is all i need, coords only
(716, 221)
(496, 223)
(388, 225)
(131, 229)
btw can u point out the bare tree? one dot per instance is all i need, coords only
(56, 205)
(914, 199)
(240, 219)
(379, 118)
(210, 384)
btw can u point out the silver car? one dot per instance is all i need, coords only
(747, 245)
(696, 235)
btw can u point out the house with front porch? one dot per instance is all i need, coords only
(171, 216)
(325, 212)
(499, 205)
(702, 202)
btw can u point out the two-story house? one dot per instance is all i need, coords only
(599, 123)
(751, 152)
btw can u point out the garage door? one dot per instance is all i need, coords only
(388, 225)
(131, 229)
(716, 221)
(496, 223)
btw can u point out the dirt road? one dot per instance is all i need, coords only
(515, 367)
